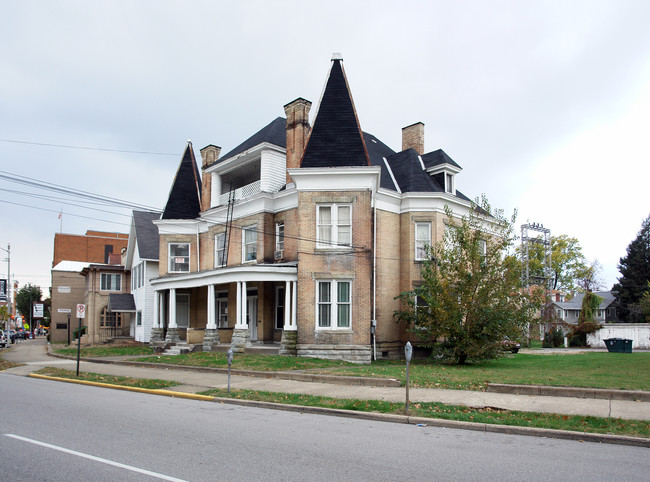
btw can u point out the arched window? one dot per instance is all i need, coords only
(110, 319)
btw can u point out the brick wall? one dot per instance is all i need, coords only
(89, 247)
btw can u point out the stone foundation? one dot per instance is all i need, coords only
(156, 336)
(172, 336)
(350, 353)
(240, 339)
(210, 339)
(288, 343)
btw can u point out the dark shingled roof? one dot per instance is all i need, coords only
(409, 174)
(146, 234)
(435, 158)
(377, 150)
(336, 138)
(274, 133)
(121, 302)
(184, 201)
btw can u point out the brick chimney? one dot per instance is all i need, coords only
(209, 155)
(297, 113)
(413, 137)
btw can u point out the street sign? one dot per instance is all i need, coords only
(38, 310)
(64, 310)
(81, 311)
(3, 290)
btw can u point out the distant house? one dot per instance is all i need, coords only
(569, 311)
(302, 236)
(73, 253)
(141, 261)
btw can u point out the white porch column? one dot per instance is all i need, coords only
(287, 305)
(172, 308)
(238, 321)
(294, 303)
(244, 306)
(156, 309)
(211, 324)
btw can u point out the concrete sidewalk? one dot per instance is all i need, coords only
(34, 355)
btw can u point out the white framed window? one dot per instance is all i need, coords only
(110, 282)
(334, 225)
(559, 313)
(449, 182)
(138, 318)
(482, 247)
(279, 307)
(222, 309)
(421, 306)
(566, 313)
(333, 304)
(600, 314)
(179, 257)
(249, 244)
(219, 250)
(422, 240)
(279, 240)
(183, 310)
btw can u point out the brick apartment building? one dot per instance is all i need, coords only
(301, 237)
(72, 254)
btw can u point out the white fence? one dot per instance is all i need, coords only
(639, 333)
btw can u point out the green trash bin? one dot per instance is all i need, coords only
(618, 345)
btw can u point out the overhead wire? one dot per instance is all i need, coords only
(102, 149)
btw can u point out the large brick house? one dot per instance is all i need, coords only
(302, 236)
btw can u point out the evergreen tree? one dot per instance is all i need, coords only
(635, 271)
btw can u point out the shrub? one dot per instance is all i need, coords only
(76, 332)
(553, 339)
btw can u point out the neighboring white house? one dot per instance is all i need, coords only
(569, 311)
(142, 261)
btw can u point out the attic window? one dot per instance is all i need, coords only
(449, 183)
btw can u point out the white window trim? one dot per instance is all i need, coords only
(101, 278)
(334, 225)
(253, 228)
(334, 302)
(221, 297)
(217, 264)
(170, 257)
(279, 245)
(427, 241)
(449, 183)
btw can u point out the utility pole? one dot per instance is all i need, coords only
(8, 251)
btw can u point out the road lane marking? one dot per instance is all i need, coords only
(96, 459)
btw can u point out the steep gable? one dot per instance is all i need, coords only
(336, 139)
(184, 200)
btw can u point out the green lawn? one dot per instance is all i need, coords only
(595, 370)
(104, 351)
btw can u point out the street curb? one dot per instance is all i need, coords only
(300, 377)
(152, 391)
(382, 417)
(596, 393)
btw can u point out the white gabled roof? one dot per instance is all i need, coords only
(71, 266)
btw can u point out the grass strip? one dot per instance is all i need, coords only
(104, 351)
(491, 415)
(624, 371)
(5, 365)
(112, 379)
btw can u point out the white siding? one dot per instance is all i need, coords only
(216, 189)
(273, 174)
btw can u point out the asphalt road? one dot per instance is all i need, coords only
(129, 434)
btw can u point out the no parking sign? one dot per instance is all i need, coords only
(81, 311)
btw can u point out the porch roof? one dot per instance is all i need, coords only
(121, 302)
(256, 272)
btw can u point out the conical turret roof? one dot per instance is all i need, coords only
(184, 201)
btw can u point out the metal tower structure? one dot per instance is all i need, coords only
(546, 279)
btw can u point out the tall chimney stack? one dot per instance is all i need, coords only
(413, 137)
(297, 113)
(209, 155)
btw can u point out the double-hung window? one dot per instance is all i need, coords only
(110, 282)
(279, 240)
(334, 225)
(179, 257)
(422, 240)
(249, 244)
(220, 250)
(333, 300)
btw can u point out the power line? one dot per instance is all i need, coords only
(43, 144)
(67, 214)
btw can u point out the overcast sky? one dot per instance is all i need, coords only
(545, 105)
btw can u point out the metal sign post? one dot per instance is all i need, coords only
(230, 354)
(81, 313)
(408, 353)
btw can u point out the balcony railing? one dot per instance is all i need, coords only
(240, 193)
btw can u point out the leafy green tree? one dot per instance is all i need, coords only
(587, 320)
(644, 305)
(5, 315)
(25, 296)
(470, 297)
(567, 261)
(635, 273)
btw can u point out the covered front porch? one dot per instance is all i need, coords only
(242, 307)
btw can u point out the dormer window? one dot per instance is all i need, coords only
(449, 183)
(442, 169)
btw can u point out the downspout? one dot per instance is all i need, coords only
(373, 326)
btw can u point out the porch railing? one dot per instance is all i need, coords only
(241, 193)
